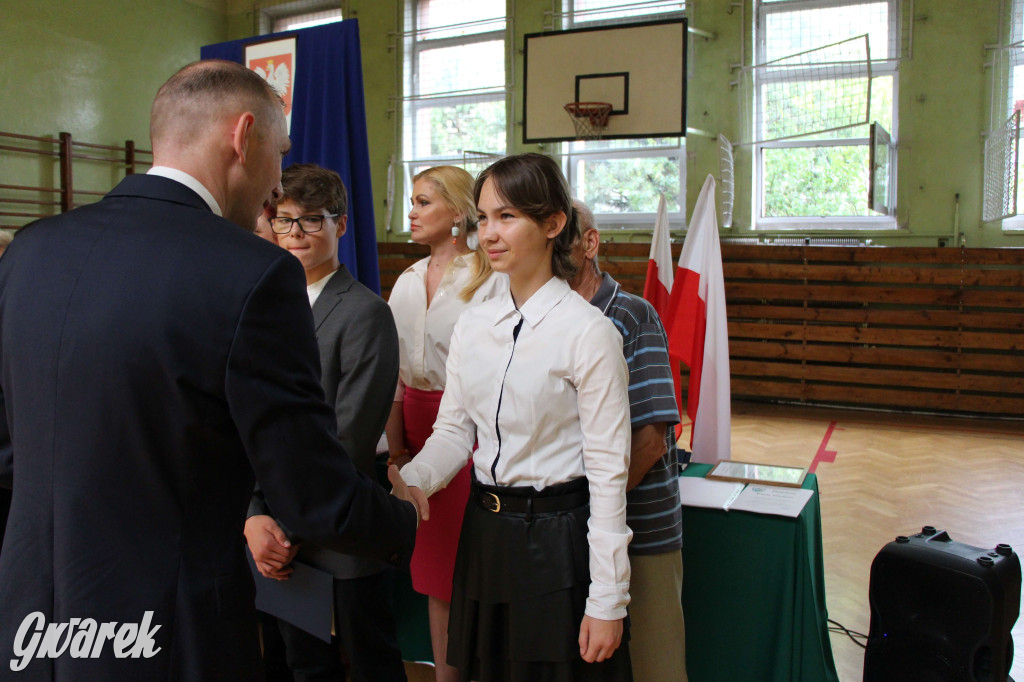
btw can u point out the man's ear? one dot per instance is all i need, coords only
(242, 134)
(591, 243)
(342, 222)
(554, 224)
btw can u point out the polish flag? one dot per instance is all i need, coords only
(659, 266)
(698, 333)
(658, 287)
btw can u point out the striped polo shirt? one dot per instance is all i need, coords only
(653, 508)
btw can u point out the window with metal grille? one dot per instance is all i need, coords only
(824, 71)
(455, 92)
(291, 16)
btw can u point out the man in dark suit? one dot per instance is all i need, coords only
(359, 366)
(156, 360)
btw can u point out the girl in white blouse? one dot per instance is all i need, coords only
(426, 301)
(536, 377)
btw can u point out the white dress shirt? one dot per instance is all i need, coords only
(190, 182)
(424, 333)
(546, 408)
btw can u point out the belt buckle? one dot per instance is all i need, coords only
(497, 502)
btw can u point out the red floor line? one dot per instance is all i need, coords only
(823, 454)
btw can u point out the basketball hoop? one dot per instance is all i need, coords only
(589, 118)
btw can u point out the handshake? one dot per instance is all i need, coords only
(273, 551)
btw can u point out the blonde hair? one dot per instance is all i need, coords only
(455, 186)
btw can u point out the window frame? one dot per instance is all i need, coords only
(269, 16)
(414, 101)
(878, 68)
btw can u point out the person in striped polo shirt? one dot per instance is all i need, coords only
(653, 511)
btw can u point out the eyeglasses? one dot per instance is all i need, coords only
(306, 223)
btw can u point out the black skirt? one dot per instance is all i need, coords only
(520, 588)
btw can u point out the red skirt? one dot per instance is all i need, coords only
(437, 540)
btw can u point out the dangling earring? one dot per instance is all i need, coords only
(455, 234)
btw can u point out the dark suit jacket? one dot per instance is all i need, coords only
(358, 342)
(153, 358)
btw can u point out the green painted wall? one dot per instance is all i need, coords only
(92, 67)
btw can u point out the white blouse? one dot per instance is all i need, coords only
(424, 333)
(546, 408)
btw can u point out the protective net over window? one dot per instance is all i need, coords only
(1000, 191)
(813, 92)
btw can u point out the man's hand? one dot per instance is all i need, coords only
(599, 638)
(410, 494)
(270, 547)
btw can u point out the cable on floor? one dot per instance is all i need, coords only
(852, 634)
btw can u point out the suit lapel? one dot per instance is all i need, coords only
(332, 294)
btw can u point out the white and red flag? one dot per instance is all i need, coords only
(698, 332)
(658, 286)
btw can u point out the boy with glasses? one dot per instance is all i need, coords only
(359, 362)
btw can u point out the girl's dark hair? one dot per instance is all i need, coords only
(534, 185)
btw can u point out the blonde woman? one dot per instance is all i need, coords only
(426, 301)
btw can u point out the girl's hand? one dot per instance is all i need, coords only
(599, 638)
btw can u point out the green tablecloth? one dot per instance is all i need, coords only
(754, 594)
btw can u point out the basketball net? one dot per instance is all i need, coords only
(589, 118)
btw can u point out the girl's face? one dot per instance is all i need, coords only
(430, 219)
(515, 243)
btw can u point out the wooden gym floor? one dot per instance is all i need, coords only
(881, 475)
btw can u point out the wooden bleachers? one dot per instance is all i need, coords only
(905, 329)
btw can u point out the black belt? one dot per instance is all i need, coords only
(518, 504)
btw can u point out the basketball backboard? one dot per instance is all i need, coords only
(640, 69)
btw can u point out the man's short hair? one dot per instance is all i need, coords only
(313, 187)
(198, 93)
(584, 215)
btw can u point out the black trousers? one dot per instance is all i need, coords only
(364, 625)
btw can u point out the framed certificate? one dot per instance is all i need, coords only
(769, 474)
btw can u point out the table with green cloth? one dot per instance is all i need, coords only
(754, 594)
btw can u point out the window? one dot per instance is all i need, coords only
(620, 180)
(813, 109)
(455, 87)
(291, 16)
(1010, 60)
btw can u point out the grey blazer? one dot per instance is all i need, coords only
(358, 342)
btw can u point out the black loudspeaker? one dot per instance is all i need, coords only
(941, 611)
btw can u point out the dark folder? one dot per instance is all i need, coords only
(305, 600)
